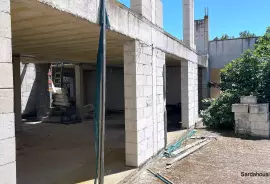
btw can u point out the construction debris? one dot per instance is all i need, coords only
(162, 178)
(203, 137)
(187, 147)
(187, 153)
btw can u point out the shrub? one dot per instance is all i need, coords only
(247, 75)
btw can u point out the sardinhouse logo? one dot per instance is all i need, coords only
(255, 174)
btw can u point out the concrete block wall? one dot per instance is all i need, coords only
(7, 128)
(144, 102)
(251, 118)
(189, 93)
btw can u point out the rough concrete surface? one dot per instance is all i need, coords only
(221, 161)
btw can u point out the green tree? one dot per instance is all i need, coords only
(246, 34)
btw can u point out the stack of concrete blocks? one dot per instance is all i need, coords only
(144, 102)
(251, 118)
(7, 128)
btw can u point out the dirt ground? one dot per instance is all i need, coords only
(220, 162)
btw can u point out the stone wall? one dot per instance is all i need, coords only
(251, 118)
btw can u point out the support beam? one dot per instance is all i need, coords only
(17, 92)
(144, 102)
(189, 93)
(79, 90)
(7, 125)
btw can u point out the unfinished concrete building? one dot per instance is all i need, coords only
(146, 68)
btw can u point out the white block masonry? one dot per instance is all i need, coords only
(240, 108)
(150, 9)
(7, 130)
(189, 93)
(248, 100)
(144, 104)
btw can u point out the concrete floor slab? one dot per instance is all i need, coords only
(63, 154)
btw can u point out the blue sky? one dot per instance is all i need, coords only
(226, 16)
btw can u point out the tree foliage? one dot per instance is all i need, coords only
(243, 34)
(247, 75)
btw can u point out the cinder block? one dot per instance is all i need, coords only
(135, 137)
(149, 80)
(248, 99)
(242, 124)
(7, 151)
(135, 125)
(258, 108)
(134, 160)
(260, 133)
(7, 126)
(5, 50)
(8, 171)
(161, 135)
(149, 153)
(260, 125)
(160, 81)
(241, 116)
(259, 117)
(147, 111)
(6, 100)
(148, 90)
(149, 131)
(161, 144)
(239, 107)
(5, 7)
(5, 26)
(141, 102)
(150, 142)
(130, 103)
(160, 126)
(131, 148)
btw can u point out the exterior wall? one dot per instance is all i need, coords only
(215, 77)
(224, 51)
(144, 102)
(189, 93)
(115, 88)
(173, 85)
(7, 127)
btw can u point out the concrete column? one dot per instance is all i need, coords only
(188, 23)
(144, 103)
(150, 9)
(189, 93)
(79, 90)
(42, 92)
(7, 125)
(17, 93)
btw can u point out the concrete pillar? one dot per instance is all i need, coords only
(150, 9)
(17, 93)
(7, 125)
(189, 93)
(144, 102)
(79, 90)
(188, 23)
(42, 92)
(205, 81)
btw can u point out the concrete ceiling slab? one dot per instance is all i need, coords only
(42, 31)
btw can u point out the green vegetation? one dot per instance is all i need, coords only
(247, 75)
(243, 34)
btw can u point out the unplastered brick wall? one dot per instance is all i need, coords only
(144, 101)
(251, 118)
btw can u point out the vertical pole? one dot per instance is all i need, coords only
(164, 99)
(102, 122)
